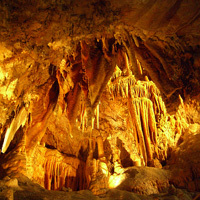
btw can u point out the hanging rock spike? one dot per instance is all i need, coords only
(18, 121)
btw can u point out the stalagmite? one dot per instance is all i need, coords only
(18, 121)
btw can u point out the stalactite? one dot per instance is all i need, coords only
(135, 131)
(136, 119)
(94, 169)
(145, 124)
(146, 107)
(127, 62)
(152, 123)
(139, 66)
(121, 86)
(83, 121)
(93, 122)
(128, 44)
(18, 121)
(136, 40)
(65, 83)
(146, 96)
(84, 118)
(62, 171)
(98, 67)
(97, 116)
(105, 48)
(138, 91)
(154, 67)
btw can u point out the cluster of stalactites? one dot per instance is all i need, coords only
(121, 86)
(145, 130)
(84, 118)
(145, 107)
(128, 87)
(148, 90)
(68, 172)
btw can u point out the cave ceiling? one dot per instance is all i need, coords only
(77, 75)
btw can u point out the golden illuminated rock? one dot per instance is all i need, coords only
(99, 95)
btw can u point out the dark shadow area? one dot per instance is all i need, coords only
(124, 155)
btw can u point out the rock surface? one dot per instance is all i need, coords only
(93, 92)
(185, 160)
(145, 180)
(32, 191)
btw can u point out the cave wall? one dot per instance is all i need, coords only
(109, 84)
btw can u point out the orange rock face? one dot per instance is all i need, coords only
(93, 93)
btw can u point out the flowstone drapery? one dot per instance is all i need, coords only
(146, 107)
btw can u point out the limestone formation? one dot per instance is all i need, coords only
(99, 99)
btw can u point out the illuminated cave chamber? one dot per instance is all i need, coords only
(98, 113)
(97, 95)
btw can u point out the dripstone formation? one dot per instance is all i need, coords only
(99, 99)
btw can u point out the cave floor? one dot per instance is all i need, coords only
(21, 188)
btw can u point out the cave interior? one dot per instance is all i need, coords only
(99, 99)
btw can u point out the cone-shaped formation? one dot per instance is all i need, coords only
(18, 121)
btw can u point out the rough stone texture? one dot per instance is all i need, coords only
(30, 190)
(185, 161)
(89, 88)
(145, 180)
